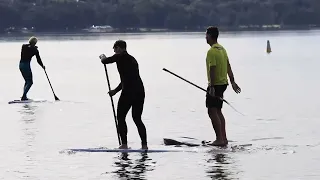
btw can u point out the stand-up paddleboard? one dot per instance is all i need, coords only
(121, 150)
(26, 101)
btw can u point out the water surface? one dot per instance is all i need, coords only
(279, 99)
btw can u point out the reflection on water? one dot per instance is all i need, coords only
(133, 169)
(28, 113)
(218, 167)
(28, 118)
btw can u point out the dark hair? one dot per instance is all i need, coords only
(213, 32)
(120, 43)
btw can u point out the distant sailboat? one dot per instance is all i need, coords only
(268, 47)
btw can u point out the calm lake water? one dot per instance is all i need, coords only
(279, 100)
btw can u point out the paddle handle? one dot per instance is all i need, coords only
(114, 112)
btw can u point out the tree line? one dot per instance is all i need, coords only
(59, 15)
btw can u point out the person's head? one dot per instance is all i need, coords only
(212, 34)
(33, 41)
(120, 46)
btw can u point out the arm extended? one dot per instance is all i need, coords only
(39, 59)
(109, 60)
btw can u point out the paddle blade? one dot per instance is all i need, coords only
(56, 98)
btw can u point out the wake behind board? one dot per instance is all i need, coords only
(26, 101)
(121, 150)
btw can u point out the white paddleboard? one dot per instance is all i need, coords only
(26, 101)
(122, 150)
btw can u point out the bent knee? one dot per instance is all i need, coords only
(137, 118)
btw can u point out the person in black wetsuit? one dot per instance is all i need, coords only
(132, 95)
(27, 52)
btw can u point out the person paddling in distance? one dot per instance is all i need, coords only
(132, 95)
(27, 52)
(218, 70)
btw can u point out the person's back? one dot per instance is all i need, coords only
(217, 55)
(27, 52)
(129, 73)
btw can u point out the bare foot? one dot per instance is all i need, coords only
(144, 147)
(218, 143)
(123, 146)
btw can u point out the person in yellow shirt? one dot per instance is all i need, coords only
(218, 70)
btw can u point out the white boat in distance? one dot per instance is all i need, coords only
(99, 29)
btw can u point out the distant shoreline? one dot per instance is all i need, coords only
(159, 30)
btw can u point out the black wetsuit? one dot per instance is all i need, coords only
(27, 52)
(132, 95)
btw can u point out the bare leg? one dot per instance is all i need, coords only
(223, 126)
(216, 123)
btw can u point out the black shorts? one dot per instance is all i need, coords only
(214, 102)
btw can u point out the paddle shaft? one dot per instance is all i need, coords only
(55, 97)
(114, 112)
(184, 79)
(200, 88)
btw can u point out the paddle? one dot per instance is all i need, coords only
(55, 97)
(114, 112)
(200, 88)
